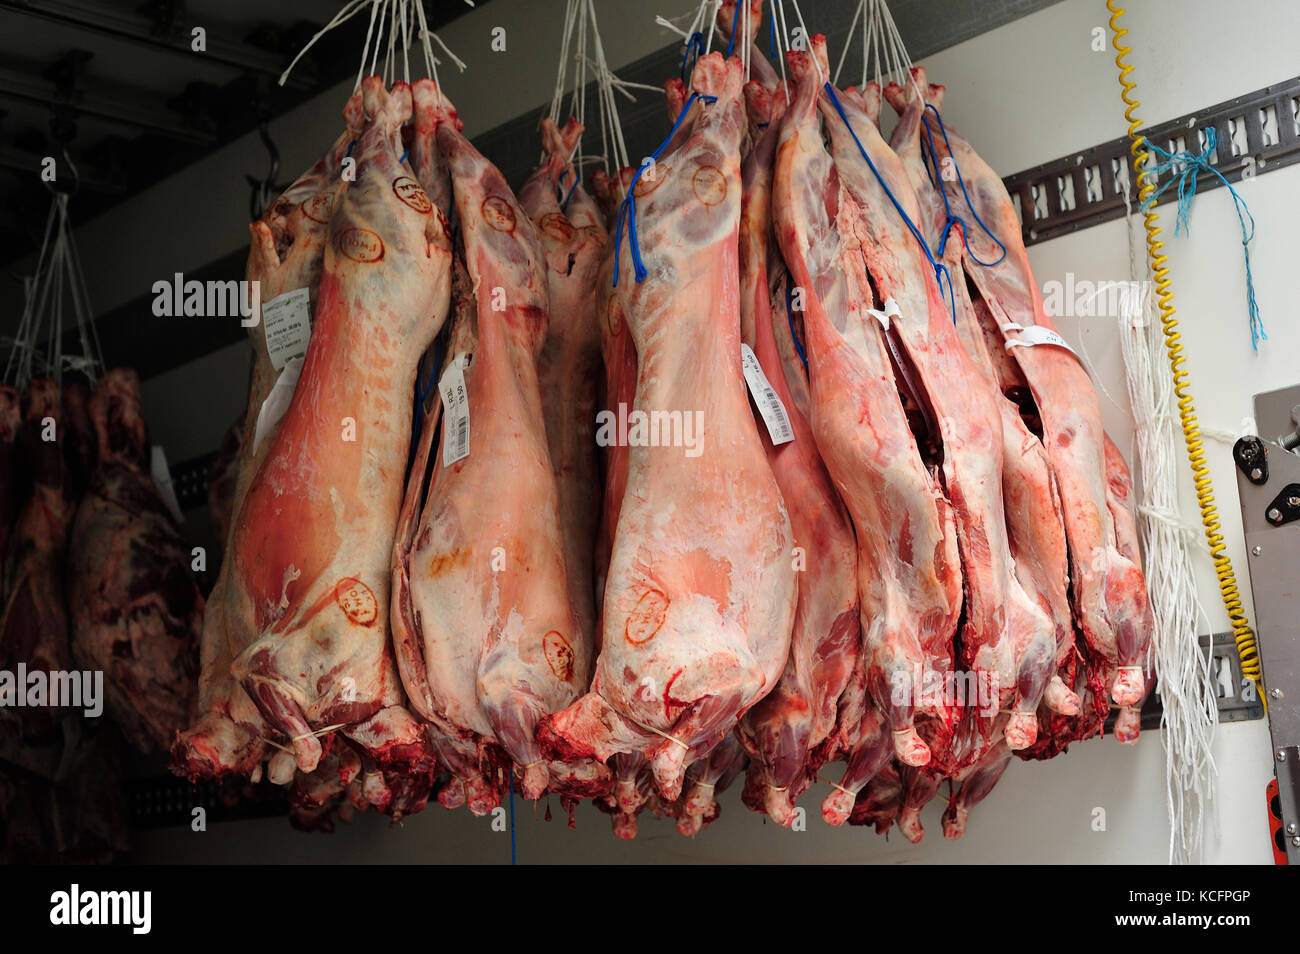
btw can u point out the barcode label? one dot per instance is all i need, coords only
(286, 322)
(455, 405)
(765, 397)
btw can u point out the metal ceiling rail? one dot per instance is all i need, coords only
(95, 16)
(15, 84)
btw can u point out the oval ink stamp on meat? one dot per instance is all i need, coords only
(317, 208)
(644, 621)
(498, 214)
(710, 185)
(409, 191)
(357, 601)
(614, 316)
(650, 180)
(557, 226)
(559, 655)
(360, 245)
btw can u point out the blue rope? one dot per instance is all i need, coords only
(421, 394)
(511, 775)
(734, 20)
(694, 43)
(940, 270)
(789, 315)
(771, 33)
(953, 219)
(349, 152)
(1188, 165)
(564, 204)
(627, 209)
(403, 159)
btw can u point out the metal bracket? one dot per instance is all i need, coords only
(1256, 133)
(1273, 545)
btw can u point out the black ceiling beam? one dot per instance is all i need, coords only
(95, 16)
(139, 113)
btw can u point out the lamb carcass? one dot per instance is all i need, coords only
(1005, 635)
(136, 611)
(313, 540)
(1109, 591)
(489, 642)
(700, 595)
(909, 571)
(573, 240)
(1035, 525)
(286, 252)
(783, 729)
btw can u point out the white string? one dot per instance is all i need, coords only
(57, 287)
(848, 40)
(1187, 688)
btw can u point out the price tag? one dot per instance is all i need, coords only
(286, 321)
(455, 404)
(765, 397)
(1036, 335)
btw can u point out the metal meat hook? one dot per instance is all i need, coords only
(264, 190)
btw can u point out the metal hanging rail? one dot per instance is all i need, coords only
(1259, 130)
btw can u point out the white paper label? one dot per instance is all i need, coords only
(1036, 335)
(455, 404)
(277, 401)
(162, 479)
(891, 310)
(765, 396)
(286, 321)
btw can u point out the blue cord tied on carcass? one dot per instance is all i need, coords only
(694, 50)
(564, 203)
(938, 184)
(1187, 167)
(627, 209)
(731, 45)
(789, 317)
(941, 275)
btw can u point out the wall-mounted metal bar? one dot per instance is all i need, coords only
(1256, 133)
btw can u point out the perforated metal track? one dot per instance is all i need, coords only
(1256, 133)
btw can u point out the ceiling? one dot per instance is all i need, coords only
(117, 83)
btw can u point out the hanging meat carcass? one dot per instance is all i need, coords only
(573, 238)
(11, 473)
(313, 540)
(136, 610)
(1035, 525)
(34, 625)
(489, 643)
(286, 253)
(1109, 591)
(1006, 637)
(909, 572)
(700, 593)
(784, 729)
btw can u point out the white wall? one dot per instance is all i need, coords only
(1025, 93)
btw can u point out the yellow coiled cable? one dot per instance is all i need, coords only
(1241, 631)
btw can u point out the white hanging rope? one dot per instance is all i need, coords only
(57, 287)
(882, 45)
(396, 17)
(1187, 689)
